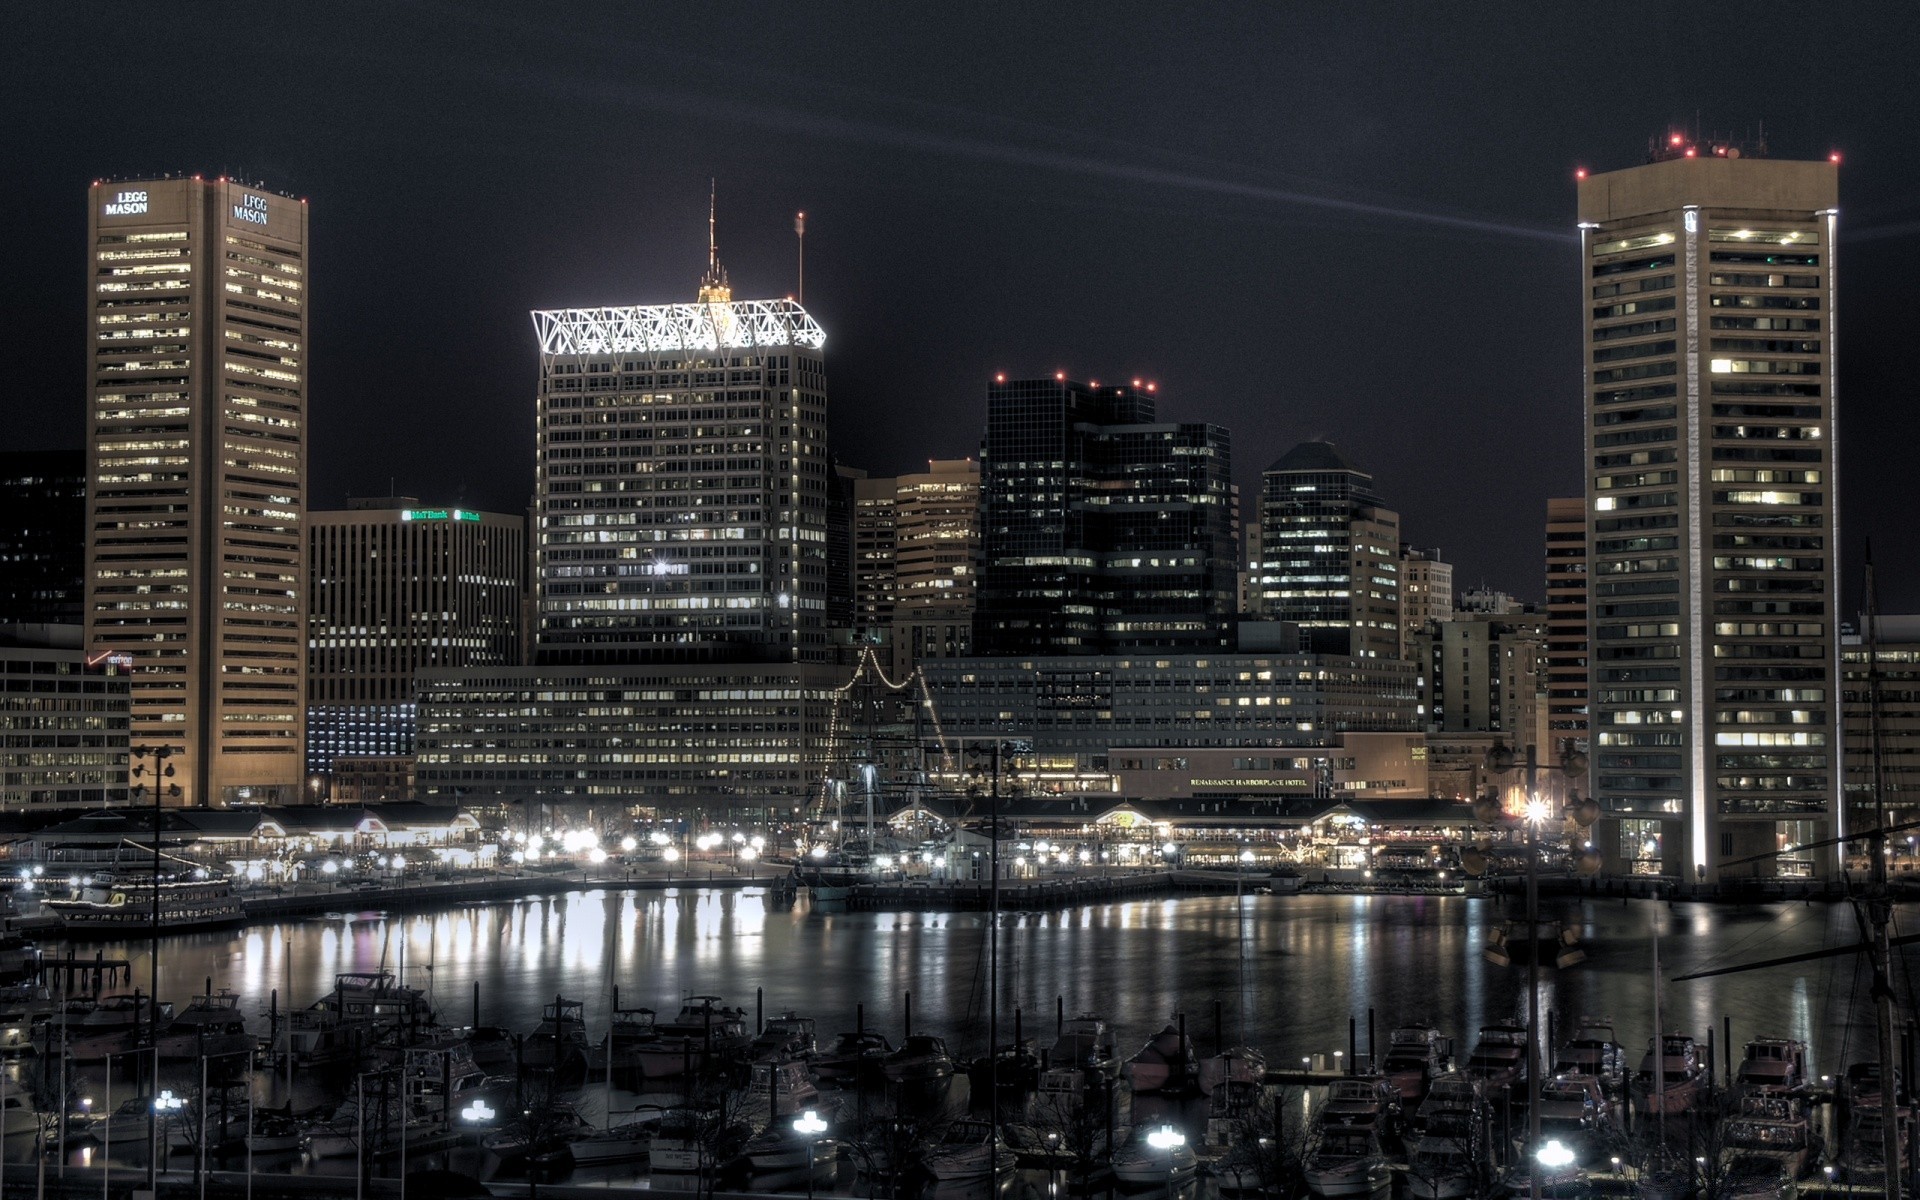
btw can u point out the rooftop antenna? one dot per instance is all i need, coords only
(713, 286)
(800, 232)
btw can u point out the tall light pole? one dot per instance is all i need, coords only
(162, 771)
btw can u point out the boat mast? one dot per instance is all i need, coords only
(1879, 907)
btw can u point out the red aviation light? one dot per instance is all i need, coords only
(1676, 139)
(1000, 378)
(1579, 172)
(1060, 376)
(1834, 158)
(1691, 152)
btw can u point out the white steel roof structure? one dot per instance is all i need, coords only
(648, 328)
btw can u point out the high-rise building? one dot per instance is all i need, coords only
(1102, 529)
(936, 568)
(398, 588)
(1567, 621)
(197, 450)
(874, 516)
(1896, 662)
(1483, 673)
(43, 521)
(1708, 300)
(1330, 554)
(1426, 593)
(63, 721)
(682, 482)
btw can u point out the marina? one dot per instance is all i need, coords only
(1212, 1016)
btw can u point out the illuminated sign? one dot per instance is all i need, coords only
(1248, 783)
(438, 514)
(126, 204)
(251, 208)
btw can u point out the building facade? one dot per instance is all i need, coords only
(1330, 554)
(1567, 621)
(1707, 302)
(1485, 674)
(1101, 529)
(197, 451)
(682, 483)
(748, 740)
(937, 553)
(398, 588)
(63, 722)
(43, 521)
(1896, 663)
(874, 520)
(1426, 593)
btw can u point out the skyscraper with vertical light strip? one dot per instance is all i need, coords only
(1708, 298)
(197, 301)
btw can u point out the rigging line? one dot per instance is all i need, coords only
(1792, 919)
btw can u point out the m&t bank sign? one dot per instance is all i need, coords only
(251, 208)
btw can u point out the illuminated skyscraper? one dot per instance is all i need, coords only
(682, 482)
(197, 294)
(1330, 554)
(1708, 301)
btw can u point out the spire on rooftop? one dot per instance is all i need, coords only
(713, 285)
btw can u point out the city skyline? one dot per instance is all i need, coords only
(1088, 249)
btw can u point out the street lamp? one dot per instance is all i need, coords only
(810, 1126)
(1167, 1139)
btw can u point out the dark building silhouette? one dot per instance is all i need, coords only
(43, 516)
(1102, 529)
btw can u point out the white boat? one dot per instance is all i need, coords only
(704, 1029)
(1416, 1055)
(1673, 1084)
(209, 1026)
(1085, 1042)
(1346, 1161)
(18, 1117)
(967, 1150)
(683, 1145)
(1593, 1050)
(621, 1143)
(777, 1090)
(363, 1006)
(273, 1133)
(539, 1133)
(114, 1025)
(122, 902)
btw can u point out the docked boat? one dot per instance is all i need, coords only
(1863, 1156)
(1345, 1161)
(211, 1026)
(123, 902)
(1450, 1158)
(1416, 1055)
(18, 1116)
(1772, 1067)
(19, 958)
(1165, 1064)
(1593, 1050)
(780, 1147)
(685, 1144)
(776, 1090)
(852, 1057)
(1240, 1069)
(1575, 1111)
(1674, 1082)
(1168, 1159)
(1860, 1087)
(1085, 1042)
(786, 1036)
(362, 1009)
(968, 1150)
(443, 1081)
(273, 1131)
(1765, 1148)
(1499, 1058)
(1359, 1102)
(114, 1025)
(631, 1030)
(1451, 1099)
(704, 1031)
(921, 1059)
(538, 1134)
(625, 1142)
(558, 1048)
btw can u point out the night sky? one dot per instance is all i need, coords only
(1343, 221)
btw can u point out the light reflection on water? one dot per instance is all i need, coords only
(1289, 970)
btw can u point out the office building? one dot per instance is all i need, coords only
(741, 741)
(936, 567)
(682, 482)
(1102, 529)
(1330, 554)
(1897, 658)
(1426, 593)
(1084, 718)
(43, 521)
(1567, 621)
(1707, 301)
(874, 516)
(63, 722)
(399, 588)
(197, 449)
(1483, 673)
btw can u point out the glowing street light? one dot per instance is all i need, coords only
(670, 854)
(809, 1123)
(478, 1113)
(1166, 1138)
(629, 843)
(1555, 1155)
